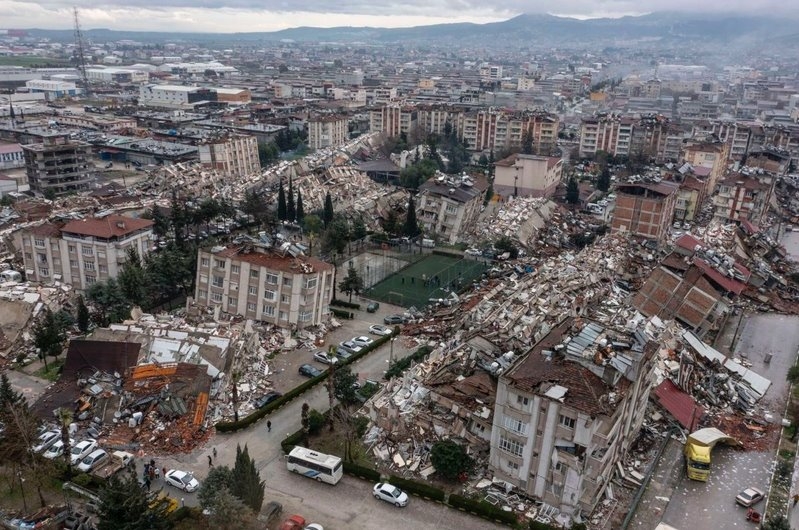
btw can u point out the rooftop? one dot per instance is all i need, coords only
(273, 260)
(107, 227)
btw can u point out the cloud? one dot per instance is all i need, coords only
(270, 15)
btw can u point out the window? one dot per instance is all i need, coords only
(517, 426)
(73, 263)
(88, 266)
(305, 316)
(218, 281)
(204, 262)
(231, 301)
(284, 299)
(252, 290)
(451, 208)
(38, 242)
(513, 465)
(523, 401)
(311, 283)
(41, 257)
(90, 279)
(203, 278)
(511, 446)
(269, 295)
(28, 256)
(269, 310)
(219, 264)
(253, 274)
(287, 282)
(216, 297)
(283, 315)
(234, 269)
(566, 421)
(101, 254)
(202, 293)
(271, 278)
(44, 271)
(104, 269)
(87, 251)
(71, 248)
(251, 306)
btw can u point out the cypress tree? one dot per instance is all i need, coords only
(247, 484)
(291, 214)
(327, 213)
(411, 227)
(300, 209)
(281, 203)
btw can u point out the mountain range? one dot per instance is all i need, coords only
(662, 28)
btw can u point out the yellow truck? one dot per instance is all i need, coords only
(697, 451)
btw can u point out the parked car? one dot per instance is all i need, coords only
(342, 354)
(379, 329)
(45, 440)
(362, 340)
(55, 450)
(350, 346)
(295, 522)
(266, 399)
(386, 492)
(310, 371)
(181, 480)
(324, 358)
(81, 449)
(314, 526)
(473, 252)
(372, 307)
(392, 320)
(92, 460)
(749, 497)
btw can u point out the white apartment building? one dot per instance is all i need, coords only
(392, 119)
(234, 155)
(523, 175)
(447, 208)
(327, 131)
(83, 251)
(258, 282)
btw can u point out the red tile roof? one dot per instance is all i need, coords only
(273, 261)
(728, 284)
(45, 230)
(107, 227)
(689, 242)
(679, 404)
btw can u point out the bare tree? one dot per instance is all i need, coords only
(65, 419)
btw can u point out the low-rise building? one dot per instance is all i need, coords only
(276, 285)
(521, 175)
(11, 156)
(644, 209)
(448, 207)
(52, 89)
(327, 130)
(567, 412)
(83, 251)
(234, 155)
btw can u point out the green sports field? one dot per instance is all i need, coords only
(430, 277)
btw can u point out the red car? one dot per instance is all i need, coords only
(295, 522)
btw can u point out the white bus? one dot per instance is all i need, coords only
(322, 467)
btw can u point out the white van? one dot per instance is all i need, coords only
(428, 243)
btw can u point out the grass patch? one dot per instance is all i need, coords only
(332, 443)
(52, 371)
(31, 61)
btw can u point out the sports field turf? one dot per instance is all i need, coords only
(431, 277)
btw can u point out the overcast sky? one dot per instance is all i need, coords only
(270, 15)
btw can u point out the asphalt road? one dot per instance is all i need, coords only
(712, 504)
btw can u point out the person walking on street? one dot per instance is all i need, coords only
(147, 483)
(210, 461)
(795, 498)
(214, 453)
(268, 426)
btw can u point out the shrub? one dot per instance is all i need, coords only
(82, 480)
(341, 314)
(344, 303)
(365, 473)
(483, 509)
(361, 424)
(450, 459)
(418, 488)
(316, 420)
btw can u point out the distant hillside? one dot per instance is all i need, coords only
(671, 28)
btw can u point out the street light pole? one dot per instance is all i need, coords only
(391, 352)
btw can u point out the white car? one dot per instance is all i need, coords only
(181, 480)
(324, 357)
(45, 440)
(386, 492)
(56, 450)
(473, 252)
(379, 329)
(82, 449)
(314, 526)
(363, 340)
(92, 460)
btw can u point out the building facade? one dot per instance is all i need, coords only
(712, 155)
(266, 284)
(234, 155)
(644, 210)
(448, 207)
(11, 156)
(393, 120)
(174, 96)
(521, 175)
(327, 131)
(567, 412)
(83, 251)
(743, 197)
(58, 165)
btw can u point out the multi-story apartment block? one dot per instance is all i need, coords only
(490, 72)
(392, 120)
(83, 251)
(523, 175)
(743, 196)
(567, 412)
(644, 209)
(234, 155)
(737, 135)
(449, 207)
(433, 118)
(263, 283)
(328, 130)
(645, 135)
(58, 165)
(495, 129)
(707, 153)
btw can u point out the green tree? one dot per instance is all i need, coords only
(336, 236)
(228, 512)
(8, 396)
(305, 421)
(300, 208)
(125, 505)
(327, 213)
(572, 191)
(527, 142)
(391, 224)
(161, 224)
(352, 283)
(450, 459)
(247, 483)
(483, 161)
(83, 315)
(109, 301)
(281, 203)
(64, 416)
(411, 227)
(219, 478)
(344, 385)
(506, 244)
(291, 213)
(358, 228)
(603, 180)
(48, 336)
(133, 279)
(793, 374)
(778, 522)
